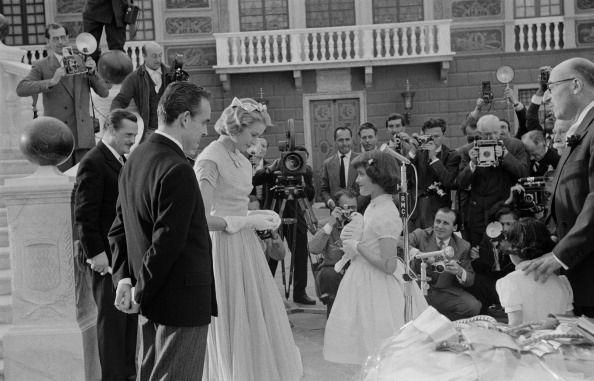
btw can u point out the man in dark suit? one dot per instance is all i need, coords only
(437, 167)
(94, 212)
(542, 158)
(162, 260)
(447, 292)
(65, 97)
(337, 171)
(572, 202)
(489, 185)
(98, 14)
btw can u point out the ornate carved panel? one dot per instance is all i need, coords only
(195, 57)
(477, 40)
(584, 5)
(188, 25)
(69, 6)
(175, 4)
(585, 33)
(476, 8)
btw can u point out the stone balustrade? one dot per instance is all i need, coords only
(538, 34)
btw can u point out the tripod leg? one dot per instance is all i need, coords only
(310, 218)
(292, 266)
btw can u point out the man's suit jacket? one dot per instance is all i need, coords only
(443, 170)
(67, 101)
(105, 11)
(572, 210)
(331, 176)
(95, 199)
(424, 240)
(160, 236)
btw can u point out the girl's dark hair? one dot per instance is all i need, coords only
(529, 238)
(381, 168)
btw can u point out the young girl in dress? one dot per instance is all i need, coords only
(369, 305)
(523, 298)
(250, 339)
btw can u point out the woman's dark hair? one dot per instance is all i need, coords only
(529, 238)
(381, 168)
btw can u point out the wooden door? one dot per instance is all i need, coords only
(326, 115)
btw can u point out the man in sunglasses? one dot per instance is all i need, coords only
(571, 84)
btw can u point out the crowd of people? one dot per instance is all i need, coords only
(177, 246)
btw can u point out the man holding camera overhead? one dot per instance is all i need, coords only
(437, 168)
(66, 95)
(490, 168)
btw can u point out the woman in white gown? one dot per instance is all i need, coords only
(369, 305)
(251, 339)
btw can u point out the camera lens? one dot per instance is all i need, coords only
(293, 162)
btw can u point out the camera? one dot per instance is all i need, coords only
(545, 73)
(345, 215)
(486, 92)
(292, 162)
(424, 139)
(533, 198)
(438, 266)
(177, 72)
(487, 154)
(72, 63)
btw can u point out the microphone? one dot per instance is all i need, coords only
(447, 253)
(394, 154)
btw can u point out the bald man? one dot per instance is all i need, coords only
(572, 202)
(145, 85)
(489, 185)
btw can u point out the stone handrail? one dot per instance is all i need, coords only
(539, 34)
(358, 45)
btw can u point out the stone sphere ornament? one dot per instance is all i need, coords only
(114, 66)
(47, 141)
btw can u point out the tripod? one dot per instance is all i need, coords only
(290, 188)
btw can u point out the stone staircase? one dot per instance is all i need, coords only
(12, 165)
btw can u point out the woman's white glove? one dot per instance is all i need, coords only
(349, 247)
(354, 229)
(253, 221)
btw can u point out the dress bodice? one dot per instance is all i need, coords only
(381, 219)
(230, 173)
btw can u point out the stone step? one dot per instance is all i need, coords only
(4, 176)
(4, 236)
(3, 218)
(4, 258)
(3, 329)
(5, 309)
(17, 166)
(5, 286)
(11, 154)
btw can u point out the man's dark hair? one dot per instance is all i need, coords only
(343, 192)
(394, 116)
(178, 98)
(367, 126)
(504, 210)
(448, 210)
(54, 26)
(433, 123)
(342, 128)
(115, 117)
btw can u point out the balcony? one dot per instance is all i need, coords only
(539, 34)
(338, 47)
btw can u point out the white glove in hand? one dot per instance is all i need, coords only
(256, 221)
(349, 247)
(354, 229)
(266, 212)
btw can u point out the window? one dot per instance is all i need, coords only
(327, 13)
(538, 8)
(263, 15)
(27, 21)
(145, 24)
(391, 11)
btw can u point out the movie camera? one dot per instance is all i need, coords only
(74, 59)
(532, 196)
(292, 161)
(177, 72)
(487, 152)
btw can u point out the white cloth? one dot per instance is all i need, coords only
(156, 76)
(519, 291)
(251, 338)
(369, 305)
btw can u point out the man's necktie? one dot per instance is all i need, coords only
(342, 176)
(441, 244)
(122, 159)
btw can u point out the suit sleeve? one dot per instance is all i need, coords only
(317, 244)
(176, 201)
(447, 172)
(464, 178)
(33, 83)
(577, 244)
(308, 186)
(521, 115)
(516, 161)
(122, 100)
(464, 261)
(99, 85)
(532, 122)
(325, 185)
(483, 264)
(87, 208)
(119, 250)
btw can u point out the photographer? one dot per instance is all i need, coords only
(490, 263)
(437, 167)
(297, 242)
(542, 97)
(394, 125)
(448, 289)
(65, 96)
(502, 162)
(145, 86)
(327, 242)
(542, 158)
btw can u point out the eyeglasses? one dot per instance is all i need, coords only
(551, 84)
